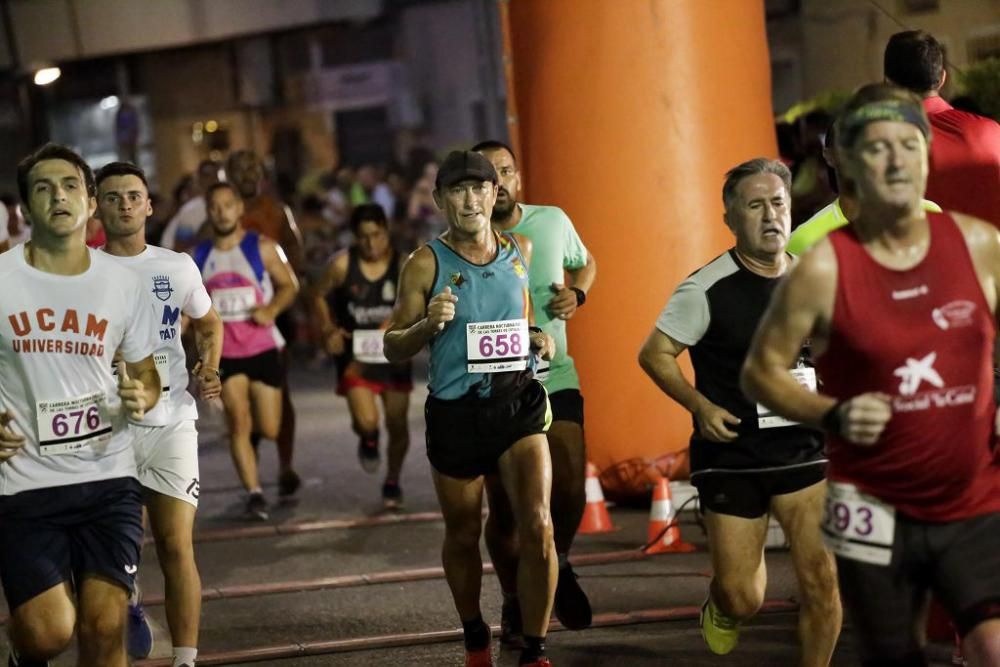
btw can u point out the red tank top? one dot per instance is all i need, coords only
(925, 337)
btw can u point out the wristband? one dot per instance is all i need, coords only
(532, 330)
(581, 296)
(831, 420)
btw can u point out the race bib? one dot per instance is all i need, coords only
(767, 419)
(858, 526)
(162, 361)
(70, 424)
(497, 347)
(234, 304)
(542, 369)
(367, 346)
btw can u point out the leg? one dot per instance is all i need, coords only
(820, 614)
(569, 467)
(739, 574)
(461, 504)
(266, 405)
(501, 535)
(102, 622)
(285, 436)
(397, 408)
(236, 400)
(364, 422)
(526, 473)
(42, 627)
(173, 522)
(981, 647)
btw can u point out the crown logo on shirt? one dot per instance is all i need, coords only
(161, 287)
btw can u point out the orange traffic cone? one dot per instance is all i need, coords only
(595, 514)
(664, 535)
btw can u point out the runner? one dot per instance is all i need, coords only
(900, 308)
(250, 283)
(70, 506)
(166, 441)
(353, 301)
(466, 295)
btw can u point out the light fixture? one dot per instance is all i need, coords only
(47, 75)
(109, 102)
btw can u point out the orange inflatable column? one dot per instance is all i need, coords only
(627, 114)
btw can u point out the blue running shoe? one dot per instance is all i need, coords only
(140, 635)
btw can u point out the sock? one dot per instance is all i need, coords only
(534, 648)
(370, 439)
(257, 490)
(135, 597)
(18, 661)
(184, 657)
(477, 634)
(563, 559)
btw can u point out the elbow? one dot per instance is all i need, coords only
(645, 360)
(750, 379)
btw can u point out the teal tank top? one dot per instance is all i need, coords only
(491, 292)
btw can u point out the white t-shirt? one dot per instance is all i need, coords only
(171, 285)
(184, 226)
(58, 337)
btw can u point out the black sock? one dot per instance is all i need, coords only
(370, 439)
(534, 648)
(477, 634)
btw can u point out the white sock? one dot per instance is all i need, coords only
(135, 597)
(256, 489)
(184, 657)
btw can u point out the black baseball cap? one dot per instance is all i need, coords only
(464, 165)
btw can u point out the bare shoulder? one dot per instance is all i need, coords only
(817, 266)
(978, 233)
(340, 260)
(419, 267)
(523, 242)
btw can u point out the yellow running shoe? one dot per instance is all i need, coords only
(719, 631)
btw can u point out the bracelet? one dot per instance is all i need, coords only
(533, 330)
(201, 368)
(831, 420)
(581, 296)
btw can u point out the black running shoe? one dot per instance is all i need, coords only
(288, 483)
(368, 455)
(14, 661)
(511, 626)
(257, 507)
(572, 607)
(392, 495)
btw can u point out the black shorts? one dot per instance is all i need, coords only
(265, 367)
(567, 406)
(959, 561)
(48, 536)
(748, 494)
(466, 438)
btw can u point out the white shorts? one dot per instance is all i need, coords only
(167, 459)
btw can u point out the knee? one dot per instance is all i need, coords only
(737, 597)
(103, 627)
(240, 423)
(535, 534)
(364, 426)
(174, 548)
(465, 534)
(43, 638)
(398, 429)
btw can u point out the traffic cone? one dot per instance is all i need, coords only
(595, 513)
(662, 514)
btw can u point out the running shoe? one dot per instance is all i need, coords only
(288, 483)
(257, 507)
(541, 662)
(481, 658)
(368, 455)
(571, 607)
(14, 661)
(139, 634)
(392, 495)
(719, 631)
(511, 625)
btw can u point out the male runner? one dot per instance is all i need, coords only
(70, 506)
(353, 302)
(746, 463)
(900, 309)
(250, 283)
(265, 215)
(166, 441)
(466, 295)
(556, 247)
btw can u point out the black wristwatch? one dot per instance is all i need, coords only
(532, 330)
(831, 421)
(581, 296)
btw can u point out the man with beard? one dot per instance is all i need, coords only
(250, 283)
(268, 217)
(557, 249)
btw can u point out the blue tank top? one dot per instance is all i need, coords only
(497, 290)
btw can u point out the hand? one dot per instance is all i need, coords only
(209, 382)
(132, 393)
(543, 344)
(863, 418)
(262, 316)
(563, 304)
(335, 341)
(712, 421)
(441, 309)
(10, 442)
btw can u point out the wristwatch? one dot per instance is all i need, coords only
(581, 296)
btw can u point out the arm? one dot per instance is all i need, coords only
(415, 320)
(802, 306)
(208, 340)
(291, 240)
(541, 342)
(658, 358)
(566, 300)
(286, 285)
(331, 334)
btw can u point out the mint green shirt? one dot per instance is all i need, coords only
(824, 221)
(555, 247)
